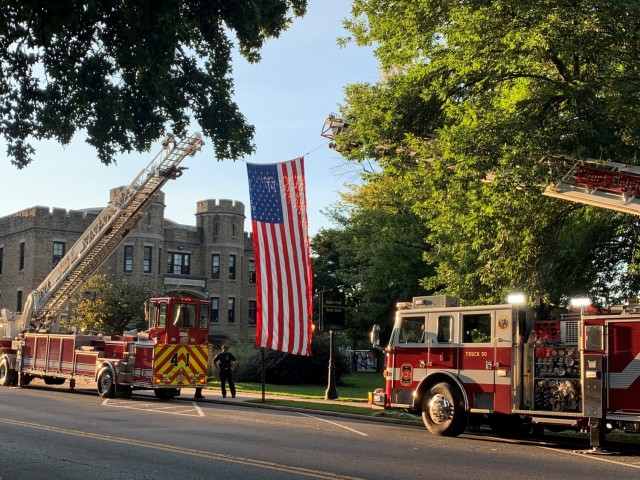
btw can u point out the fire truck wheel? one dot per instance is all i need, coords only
(106, 384)
(443, 410)
(7, 375)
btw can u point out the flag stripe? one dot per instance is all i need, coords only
(283, 263)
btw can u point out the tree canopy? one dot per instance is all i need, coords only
(108, 304)
(125, 71)
(480, 104)
(376, 258)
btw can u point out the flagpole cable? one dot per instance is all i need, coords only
(308, 153)
(319, 146)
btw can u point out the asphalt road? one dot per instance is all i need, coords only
(52, 433)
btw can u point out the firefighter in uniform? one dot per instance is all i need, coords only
(225, 361)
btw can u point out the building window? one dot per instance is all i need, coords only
(146, 265)
(21, 258)
(215, 266)
(215, 309)
(232, 267)
(59, 249)
(233, 229)
(19, 302)
(128, 258)
(231, 310)
(179, 263)
(1, 257)
(252, 271)
(252, 312)
(215, 228)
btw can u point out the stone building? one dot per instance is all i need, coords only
(212, 260)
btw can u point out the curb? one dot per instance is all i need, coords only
(353, 416)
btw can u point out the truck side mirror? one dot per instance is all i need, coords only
(375, 336)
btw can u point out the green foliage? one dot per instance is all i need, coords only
(354, 387)
(283, 368)
(125, 71)
(505, 92)
(109, 304)
(376, 258)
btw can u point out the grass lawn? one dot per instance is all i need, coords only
(354, 389)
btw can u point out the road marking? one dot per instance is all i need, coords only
(171, 409)
(336, 424)
(279, 467)
(592, 457)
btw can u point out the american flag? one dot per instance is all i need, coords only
(283, 264)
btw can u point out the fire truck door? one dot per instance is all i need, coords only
(441, 354)
(623, 366)
(477, 357)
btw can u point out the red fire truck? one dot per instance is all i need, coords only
(458, 365)
(172, 353)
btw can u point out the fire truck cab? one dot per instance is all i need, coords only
(497, 363)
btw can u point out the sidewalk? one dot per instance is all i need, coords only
(254, 400)
(215, 396)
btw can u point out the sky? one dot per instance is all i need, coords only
(287, 97)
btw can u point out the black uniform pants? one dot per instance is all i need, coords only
(226, 375)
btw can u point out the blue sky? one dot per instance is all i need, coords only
(287, 97)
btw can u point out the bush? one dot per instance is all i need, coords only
(285, 369)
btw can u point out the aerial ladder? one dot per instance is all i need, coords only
(44, 305)
(599, 183)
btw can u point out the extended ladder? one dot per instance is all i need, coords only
(610, 185)
(109, 229)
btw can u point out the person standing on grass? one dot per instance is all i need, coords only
(226, 362)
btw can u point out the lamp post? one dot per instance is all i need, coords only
(332, 392)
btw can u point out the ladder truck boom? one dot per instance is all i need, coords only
(170, 355)
(107, 231)
(599, 183)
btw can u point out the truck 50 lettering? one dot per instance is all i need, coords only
(475, 354)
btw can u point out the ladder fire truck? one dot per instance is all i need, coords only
(460, 365)
(171, 354)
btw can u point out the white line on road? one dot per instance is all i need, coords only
(336, 424)
(592, 457)
(194, 411)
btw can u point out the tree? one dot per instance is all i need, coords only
(375, 258)
(503, 91)
(124, 71)
(109, 304)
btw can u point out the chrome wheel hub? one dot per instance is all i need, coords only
(440, 409)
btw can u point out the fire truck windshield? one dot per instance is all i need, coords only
(185, 315)
(412, 330)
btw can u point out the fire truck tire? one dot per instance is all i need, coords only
(8, 376)
(106, 384)
(443, 410)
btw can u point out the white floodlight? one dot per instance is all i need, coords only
(516, 298)
(580, 302)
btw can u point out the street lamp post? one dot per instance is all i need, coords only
(331, 393)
